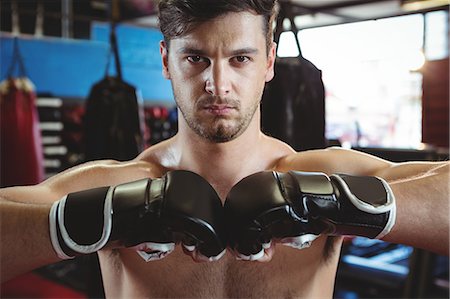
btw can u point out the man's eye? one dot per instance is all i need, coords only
(195, 59)
(242, 59)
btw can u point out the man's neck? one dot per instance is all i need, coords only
(221, 163)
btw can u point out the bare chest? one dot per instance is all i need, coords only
(291, 273)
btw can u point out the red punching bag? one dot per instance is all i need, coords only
(20, 143)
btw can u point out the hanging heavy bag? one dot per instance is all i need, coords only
(113, 120)
(20, 138)
(293, 105)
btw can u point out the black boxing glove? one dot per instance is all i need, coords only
(295, 207)
(150, 215)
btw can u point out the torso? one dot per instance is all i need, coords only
(290, 273)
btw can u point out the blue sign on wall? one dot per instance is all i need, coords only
(68, 67)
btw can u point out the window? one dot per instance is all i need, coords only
(436, 35)
(373, 88)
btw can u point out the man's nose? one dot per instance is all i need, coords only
(218, 81)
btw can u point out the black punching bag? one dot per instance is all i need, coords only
(293, 106)
(114, 121)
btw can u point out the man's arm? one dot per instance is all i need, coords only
(136, 209)
(25, 241)
(421, 190)
(24, 225)
(422, 195)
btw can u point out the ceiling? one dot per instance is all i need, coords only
(72, 18)
(313, 13)
(317, 13)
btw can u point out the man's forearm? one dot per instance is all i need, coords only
(422, 207)
(25, 242)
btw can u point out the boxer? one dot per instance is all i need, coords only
(218, 55)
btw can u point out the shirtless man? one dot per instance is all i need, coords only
(218, 57)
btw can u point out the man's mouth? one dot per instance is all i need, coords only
(219, 109)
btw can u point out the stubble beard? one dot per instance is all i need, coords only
(219, 129)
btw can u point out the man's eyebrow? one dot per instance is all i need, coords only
(189, 50)
(244, 51)
(237, 52)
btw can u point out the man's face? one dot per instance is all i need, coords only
(218, 72)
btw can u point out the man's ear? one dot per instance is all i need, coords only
(270, 73)
(165, 59)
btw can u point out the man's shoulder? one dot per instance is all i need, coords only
(332, 160)
(156, 156)
(327, 160)
(310, 160)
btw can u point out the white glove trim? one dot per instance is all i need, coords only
(363, 206)
(252, 257)
(54, 234)
(158, 250)
(107, 227)
(389, 224)
(299, 242)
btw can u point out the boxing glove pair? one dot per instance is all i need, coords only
(153, 215)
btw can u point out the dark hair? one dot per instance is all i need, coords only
(178, 17)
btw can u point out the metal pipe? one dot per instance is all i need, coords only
(67, 18)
